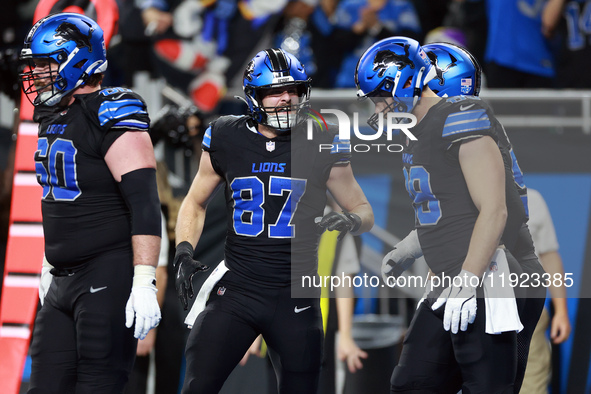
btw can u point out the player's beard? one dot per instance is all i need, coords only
(44, 88)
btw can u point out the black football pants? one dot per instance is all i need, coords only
(435, 361)
(236, 313)
(80, 343)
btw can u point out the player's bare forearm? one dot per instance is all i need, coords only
(189, 225)
(346, 191)
(191, 216)
(484, 173)
(146, 249)
(484, 241)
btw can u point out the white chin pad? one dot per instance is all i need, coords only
(47, 99)
(280, 120)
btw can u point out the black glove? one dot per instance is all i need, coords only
(343, 222)
(185, 267)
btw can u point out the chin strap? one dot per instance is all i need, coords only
(417, 90)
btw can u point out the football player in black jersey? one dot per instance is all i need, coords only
(101, 212)
(459, 173)
(458, 73)
(275, 183)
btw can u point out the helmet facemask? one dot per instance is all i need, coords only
(272, 72)
(384, 96)
(46, 88)
(282, 117)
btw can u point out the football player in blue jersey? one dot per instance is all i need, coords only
(468, 208)
(101, 212)
(459, 73)
(275, 182)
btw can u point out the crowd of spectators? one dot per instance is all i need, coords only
(202, 47)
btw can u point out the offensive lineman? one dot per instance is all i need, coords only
(101, 212)
(271, 230)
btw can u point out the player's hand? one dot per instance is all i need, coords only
(142, 303)
(339, 221)
(460, 303)
(46, 279)
(402, 256)
(185, 267)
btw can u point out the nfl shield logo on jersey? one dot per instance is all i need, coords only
(221, 290)
(270, 146)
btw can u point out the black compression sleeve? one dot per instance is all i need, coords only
(140, 192)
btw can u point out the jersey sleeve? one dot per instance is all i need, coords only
(340, 152)
(121, 110)
(211, 144)
(468, 119)
(206, 142)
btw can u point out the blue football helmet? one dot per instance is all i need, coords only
(271, 69)
(457, 71)
(397, 68)
(72, 40)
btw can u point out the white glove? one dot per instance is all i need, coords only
(460, 302)
(426, 293)
(142, 302)
(46, 279)
(402, 256)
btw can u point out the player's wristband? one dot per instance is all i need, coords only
(144, 276)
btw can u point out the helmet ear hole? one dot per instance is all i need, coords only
(80, 64)
(407, 83)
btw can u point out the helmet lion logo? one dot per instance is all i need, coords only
(438, 70)
(386, 58)
(249, 70)
(69, 32)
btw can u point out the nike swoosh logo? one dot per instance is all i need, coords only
(298, 310)
(93, 290)
(462, 108)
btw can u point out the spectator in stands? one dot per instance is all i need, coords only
(567, 22)
(518, 54)
(202, 47)
(343, 30)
